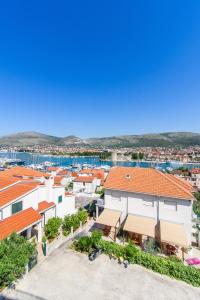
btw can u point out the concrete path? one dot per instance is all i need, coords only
(69, 275)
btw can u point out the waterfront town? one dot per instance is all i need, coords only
(99, 150)
(157, 212)
(163, 154)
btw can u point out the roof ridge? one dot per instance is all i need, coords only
(175, 183)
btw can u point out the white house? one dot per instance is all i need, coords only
(26, 205)
(195, 177)
(148, 203)
(88, 180)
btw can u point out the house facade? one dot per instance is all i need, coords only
(144, 195)
(27, 204)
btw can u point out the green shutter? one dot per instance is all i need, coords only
(16, 207)
(60, 199)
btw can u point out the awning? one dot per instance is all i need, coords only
(109, 217)
(140, 225)
(173, 233)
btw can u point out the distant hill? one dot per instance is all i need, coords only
(161, 139)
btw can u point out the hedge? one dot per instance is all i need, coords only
(74, 221)
(171, 267)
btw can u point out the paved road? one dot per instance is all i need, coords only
(69, 275)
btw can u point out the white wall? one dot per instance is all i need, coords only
(160, 208)
(29, 200)
(67, 206)
(44, 193)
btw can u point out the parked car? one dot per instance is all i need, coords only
(94, 254)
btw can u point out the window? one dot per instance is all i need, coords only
(60, 199)
(16, 207)
(171, 205)
(148, 203)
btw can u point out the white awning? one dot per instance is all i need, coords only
(173, 233)
(141, 225)
(109, 217)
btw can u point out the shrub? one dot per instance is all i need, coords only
(51, 229)
(96, 238)
(82, 215)
(15, 253)
(84, 244)
(151, 246)
(74, 221)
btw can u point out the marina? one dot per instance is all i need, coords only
(38, 161)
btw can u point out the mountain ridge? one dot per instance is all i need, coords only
(165, 139)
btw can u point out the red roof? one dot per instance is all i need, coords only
(57, 179)
(63, 172)
(50, 169)
(97, 173)
(6, 182)
(44, 205)
(68, 194)
(147, 181)
(15, 191)
(74, 174)
(18, 222)
(22, 172)
(87, 179)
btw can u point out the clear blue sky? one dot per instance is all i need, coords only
(99, 68)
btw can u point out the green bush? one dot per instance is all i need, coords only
(84, 244)
(74, 221)
(52, 227)
(96, 238)
(82, 215)
(15, 253)
(171, 267)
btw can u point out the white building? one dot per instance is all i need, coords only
(88, 180)
(27, 204)
(147, 202)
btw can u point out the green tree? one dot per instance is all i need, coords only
(134, 156)
(15, 252)
(141, 155)
(51, 229)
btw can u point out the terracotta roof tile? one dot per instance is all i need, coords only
(22, 171)
(18, 222)
(147, 181)
(14, 192)
(87, 179)
(63, 172)
(44, 205)
(6, 182)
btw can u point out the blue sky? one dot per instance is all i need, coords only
(99, 68)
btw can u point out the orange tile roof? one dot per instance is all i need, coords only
(57, 179)
(18, 222)
(87, 179)
(50, 169)
(68, 194)
(63, 172)
(6, 182)
(22, 171)
(146, 181)
(14, 192)
(182, 182)
(98, 173)
(44, 205)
